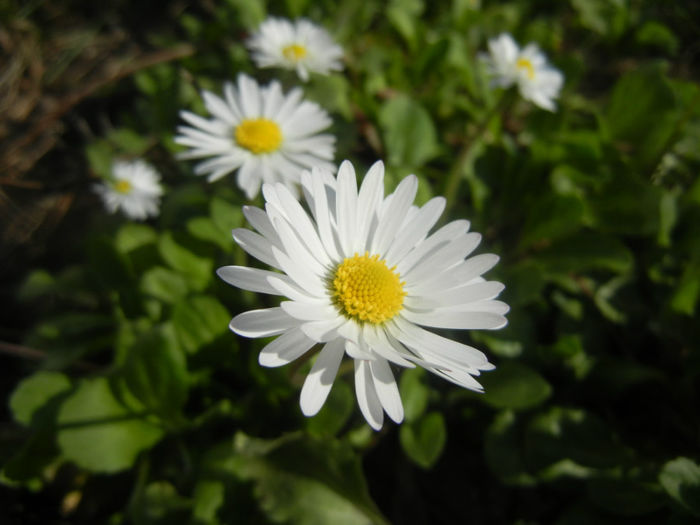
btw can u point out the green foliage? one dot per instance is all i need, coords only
(130, 401)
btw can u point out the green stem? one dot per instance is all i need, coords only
(451, 187)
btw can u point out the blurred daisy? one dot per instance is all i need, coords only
(134, 188)
(537, 81)
(363, 276)
(265, 135)
(300, 45)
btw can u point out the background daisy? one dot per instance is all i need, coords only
(134, 189)
(261, 132)
(300, 45)
(537, 81)
(363, 276)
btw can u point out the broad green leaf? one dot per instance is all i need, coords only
(133, 235)
(607, 17)
(574, 434)
(199, 320)
(685, 297)
(98, 433)
(298, 479)
(164, 284)
(34, 392)
(226, 216)
(414, 393)
(208, 497)
(196, 270)
(625, 497)
(158, 503)
(37, 284)
(515, 386)
(404, 15)
(424, 440)
(127, 141)
(204, 229)
(155, 371)
(503, 450)
(552, 217)
(584, 252)
(408, 131)
(680, 478)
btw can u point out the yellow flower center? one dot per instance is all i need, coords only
(365, 289)
(294, 52)
(258, 135)
(524, 63)
(122, 186)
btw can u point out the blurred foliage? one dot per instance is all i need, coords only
(129, 401)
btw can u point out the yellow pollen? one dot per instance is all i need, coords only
(122, 186)
(365, 289)
(524, 63)
(258, 135)
(294, 52)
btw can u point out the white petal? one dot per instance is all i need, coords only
(285, 349)
(286, 287)
(445, 234)
(441, 318)
(367, 398)
(262, 323)
(295, 249)
(322, 331)
(322, 214)
(415, 230)
(300, 274)
(308, 311)
(346, 207)
(320, 380)
(377, 340)
(387, 391)
(246, 278)
(256, 245)
(369, 199)
(393, 217)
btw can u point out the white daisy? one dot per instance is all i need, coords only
(265, 135)
(362, 274)
(300, 45)
(134, 188)
(537, 81)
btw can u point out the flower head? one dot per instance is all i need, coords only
(363, 276)
(260, 132)
(537, 81)
(300, 45)
(134, 188)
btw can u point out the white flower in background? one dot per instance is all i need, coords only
(265, 135)
(134, 188)
(300, 45)
(362, 276)
(537, 81)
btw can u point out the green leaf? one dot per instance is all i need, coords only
(552, 217)
(503, 450)
(204, 229)
(98, 433)
(226, 216)
(515, 386)
(685, 296)
(409, 134)
(625, 497)
(573, 434)
(680, 478)
(298, 479)
(208, 497)
(199, 320)
(34, 392)
(196, 270)
(424, 440)
(155, 371)
(158, 502)
(586, 251)
(404, 15)
(414, 393)
(133, 235)
(607, 17)
(164, 284)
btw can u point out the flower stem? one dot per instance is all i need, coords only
(451, 187)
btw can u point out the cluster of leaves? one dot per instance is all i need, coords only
(146, 409)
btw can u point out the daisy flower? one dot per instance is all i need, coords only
(363, 276)
(262, 133)
(300, 45)
(134, 188)
(537, 81)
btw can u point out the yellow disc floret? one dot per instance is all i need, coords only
(259, 135)
(294, 52)
(122, 186)
(524, 63)
(364, 288)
